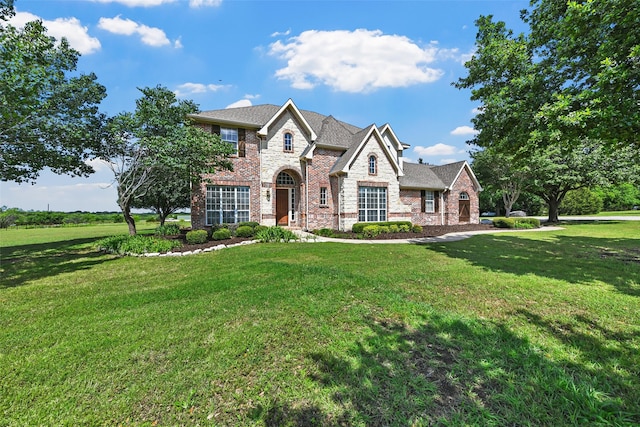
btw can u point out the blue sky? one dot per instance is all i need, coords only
(363, 62)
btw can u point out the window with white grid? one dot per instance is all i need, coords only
(227, 205)
(372, 204)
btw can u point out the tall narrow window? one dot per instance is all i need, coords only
(293, 203)
(230, 136)
(288, 142)
(373, 165)
(428, 201)
(323, 196)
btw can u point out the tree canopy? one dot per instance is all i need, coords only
(155, 153)
(49, 114)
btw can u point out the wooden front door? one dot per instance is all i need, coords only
(282, 206)
(464, 210)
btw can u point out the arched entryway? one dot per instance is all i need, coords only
(286, 199)
(464, 207)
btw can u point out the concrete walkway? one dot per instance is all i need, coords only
(451, 237)
(454, 237)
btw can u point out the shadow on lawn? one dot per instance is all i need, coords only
(21, 264)
(569, 258)
(455, 372)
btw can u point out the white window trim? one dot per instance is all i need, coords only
(364, 210)
(220, 213)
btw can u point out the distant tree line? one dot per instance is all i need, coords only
(14, 217)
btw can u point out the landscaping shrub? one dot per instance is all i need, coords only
(404, 228)
(416, 229)
(245, 231)
(195, 237)
(394, 228)
(275, 234)
(370, 231)
(251, 224)
(221, 234)
(259, 228)
(138, 244)
(167, 230)
(518, 223)
(324, 232)
(359, 226)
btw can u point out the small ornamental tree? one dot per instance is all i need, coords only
(156, 143)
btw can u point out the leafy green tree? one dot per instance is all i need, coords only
(49, 118)
(619, 197)
(168, 193)
(581, 202)
(156, 143)
(592, 48)
(502, 174)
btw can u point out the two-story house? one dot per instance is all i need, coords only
(302, 169)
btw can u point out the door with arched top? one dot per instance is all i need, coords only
(285, 198)
(464, 207)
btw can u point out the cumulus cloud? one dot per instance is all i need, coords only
(200, 3)
(150, 36)
(151, 3)
(70, 28)
(464, 130)
(241, 103)
(476, 110)
(355, 61)
(278, 34)
(439, 149)
(187, 89)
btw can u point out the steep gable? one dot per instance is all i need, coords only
(358, 142)
(449, 173)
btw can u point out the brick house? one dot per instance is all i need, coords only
(301, 169)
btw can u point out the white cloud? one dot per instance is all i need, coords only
(278, 34)
(150, 36)
(99, 165)
(151, 3)
(199, 3)
(447, 161)
(134, 3)
(188, 88)
(439, 149)
(464, 130)
(476, 110)
(248, 96)
(355, 61)
(241, 103)
(70, 28)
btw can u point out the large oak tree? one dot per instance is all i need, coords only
(49, 114)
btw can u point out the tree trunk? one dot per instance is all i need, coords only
(553, 204)
(126, 212)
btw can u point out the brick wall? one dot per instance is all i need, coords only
(413, 198)
(452, 200)
(322, 216)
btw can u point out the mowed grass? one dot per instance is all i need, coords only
(525, 328)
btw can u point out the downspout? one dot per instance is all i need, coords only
(306, 196)
(442, 207)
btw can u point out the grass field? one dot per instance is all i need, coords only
(537, 328)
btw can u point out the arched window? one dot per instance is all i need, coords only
(464, 195)
(288, 142)
(285, 179)
(373, 165)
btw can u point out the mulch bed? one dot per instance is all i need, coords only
(427, 231)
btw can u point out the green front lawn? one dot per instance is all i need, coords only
(529, 328)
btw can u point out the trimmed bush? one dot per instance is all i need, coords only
(324, 232)
(416, 229)
(275, 234)
(404, 228)
(195, 237)
(167, 230)
(371, 231)
(244, 231)
(138, 244)
(259, 228)
(517, 223)
(251, 224)
(221, 234)
(394, 228)
(359, 226)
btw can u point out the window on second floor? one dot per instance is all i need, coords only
(373, 165)
(230, 136)
(288, 142)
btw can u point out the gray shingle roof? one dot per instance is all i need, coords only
(448, 173)
(258, 115)
(333, 133)
(420, 176)
(354, 144)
